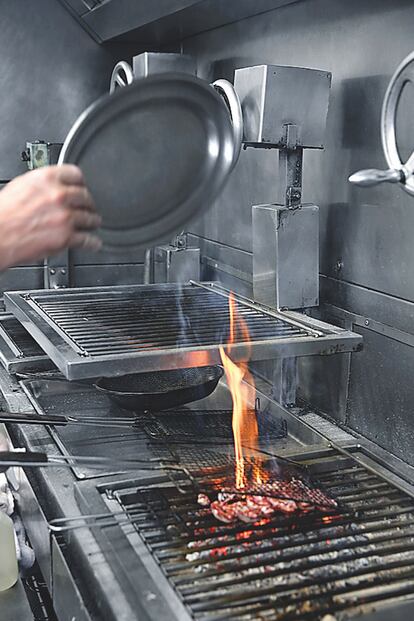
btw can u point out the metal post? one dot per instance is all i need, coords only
(289, 187)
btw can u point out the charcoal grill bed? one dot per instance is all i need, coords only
(109, 331)
(356, 561)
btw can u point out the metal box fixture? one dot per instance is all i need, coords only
(273, 97)
(116, 330)
(174, 264)
(286, 256)
(150, 63)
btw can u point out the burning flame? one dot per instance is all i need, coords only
(243, 392)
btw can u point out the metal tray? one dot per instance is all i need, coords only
(154, 154)
(90, 332)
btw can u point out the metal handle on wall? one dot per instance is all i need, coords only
(399, 172)
(403, 75)
(372, 176)
(122, 75)
(227, 91)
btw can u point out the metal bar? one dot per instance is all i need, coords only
(126, 331)
(255, 305)
(131, 319)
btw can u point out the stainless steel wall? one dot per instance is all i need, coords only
(51, 70)
(367, 253)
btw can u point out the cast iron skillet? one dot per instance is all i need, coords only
(160, 390)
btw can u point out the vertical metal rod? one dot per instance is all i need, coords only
(290, 170)
(148, 266)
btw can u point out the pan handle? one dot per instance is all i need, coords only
(32, 418)
(23, 458)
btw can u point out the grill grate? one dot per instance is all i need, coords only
(159, 321)
(26, 345)
(283, 567)
(202, 439)
(108, 331)
(18, 350)
(204, 426)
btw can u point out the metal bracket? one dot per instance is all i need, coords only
(290, 169)
(57, 271)
(180, 241)
(40, 153)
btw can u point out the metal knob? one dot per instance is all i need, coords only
(372, 176)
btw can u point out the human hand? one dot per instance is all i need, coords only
(43, 212)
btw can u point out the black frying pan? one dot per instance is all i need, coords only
(160, 390)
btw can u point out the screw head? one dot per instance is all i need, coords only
(52, 271)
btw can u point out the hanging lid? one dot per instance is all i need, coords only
(154, 154)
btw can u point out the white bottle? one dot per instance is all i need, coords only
(9, 572)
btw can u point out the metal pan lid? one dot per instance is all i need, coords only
(154, 154)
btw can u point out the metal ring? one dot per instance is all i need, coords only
(122, 75)
(227, 91)
(403, 75)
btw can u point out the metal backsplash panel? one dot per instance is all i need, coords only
(381, 394)
(366, 235)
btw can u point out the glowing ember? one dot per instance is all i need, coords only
(243, 392)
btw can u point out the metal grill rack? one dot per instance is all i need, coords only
(203, 426)
(202, 439)
(117, 330)
(194, 438)
(287, 567)
(19, 352)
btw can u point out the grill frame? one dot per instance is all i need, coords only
(114, 538)
(308, 336)
(14, 355)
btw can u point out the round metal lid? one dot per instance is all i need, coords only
(154, 155)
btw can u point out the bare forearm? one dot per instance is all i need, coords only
(43, 212)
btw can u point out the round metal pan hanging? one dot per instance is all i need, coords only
(154, 154)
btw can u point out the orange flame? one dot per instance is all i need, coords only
(243, 392)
